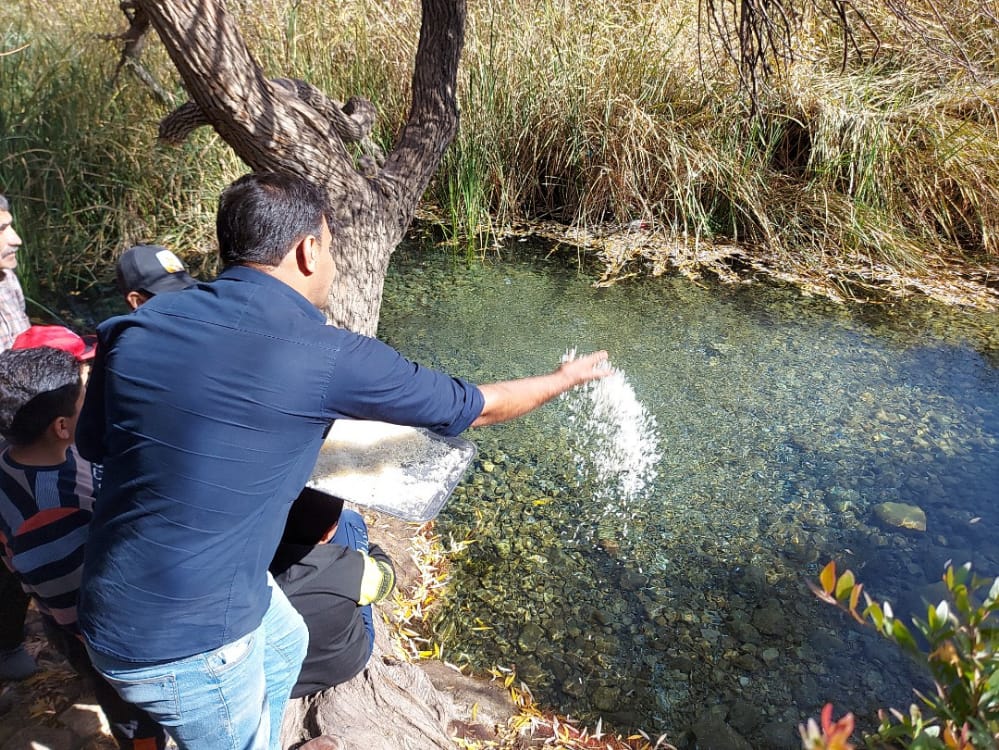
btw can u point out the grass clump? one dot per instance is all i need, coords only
(848, 181)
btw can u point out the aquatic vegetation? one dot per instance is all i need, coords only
(958, 642)
(412, 607)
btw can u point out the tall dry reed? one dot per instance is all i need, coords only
(592, 115)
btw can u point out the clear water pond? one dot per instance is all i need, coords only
(782, 422)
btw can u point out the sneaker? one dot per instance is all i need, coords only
(16, 664)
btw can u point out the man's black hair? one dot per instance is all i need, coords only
(36, 387)
(311, 517)
(263, 214)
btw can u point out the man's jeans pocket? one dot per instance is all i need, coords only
(157, 694)
(215, 700)
(230, 656)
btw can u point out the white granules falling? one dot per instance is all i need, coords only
(616, 442)
(404, 471)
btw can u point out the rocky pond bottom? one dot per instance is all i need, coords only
(784, 426)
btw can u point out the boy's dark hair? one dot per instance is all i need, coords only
(312, 515)
(262, 215)
(36, 387)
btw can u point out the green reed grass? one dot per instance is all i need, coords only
(588, 114)
(78, 157)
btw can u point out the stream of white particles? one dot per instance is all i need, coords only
(615, 439)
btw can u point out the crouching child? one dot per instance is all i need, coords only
(331, 575)
(46, 500)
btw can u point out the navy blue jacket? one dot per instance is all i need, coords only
(207, 408)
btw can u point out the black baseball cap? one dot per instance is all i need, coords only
(151, 269)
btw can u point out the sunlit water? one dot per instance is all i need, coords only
(781, 422)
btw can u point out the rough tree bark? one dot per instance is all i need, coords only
(281, 125)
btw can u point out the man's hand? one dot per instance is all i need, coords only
(586, 368)
(510, 399)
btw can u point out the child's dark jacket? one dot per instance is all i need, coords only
(323, 582)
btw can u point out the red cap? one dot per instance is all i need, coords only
(56, 337)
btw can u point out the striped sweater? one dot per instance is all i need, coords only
(45, 516)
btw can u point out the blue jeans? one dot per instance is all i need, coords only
(353, 532)
(232, 698)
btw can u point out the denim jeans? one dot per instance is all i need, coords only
(232, 698)
(351, 531)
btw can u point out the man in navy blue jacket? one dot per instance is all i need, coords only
(207, 408)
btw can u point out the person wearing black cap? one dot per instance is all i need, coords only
(144, 271)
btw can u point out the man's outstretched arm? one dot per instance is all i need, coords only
(510, 399)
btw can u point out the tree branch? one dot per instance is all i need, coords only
(134, 42)
(351, 122)
(433, 117)
(268, 129)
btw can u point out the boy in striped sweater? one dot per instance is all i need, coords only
(46, 499)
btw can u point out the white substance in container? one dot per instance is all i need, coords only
(408, 472)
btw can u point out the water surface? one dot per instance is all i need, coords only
(782, 420)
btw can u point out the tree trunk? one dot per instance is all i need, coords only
(392, 704)
(289, 126)
(272, 129)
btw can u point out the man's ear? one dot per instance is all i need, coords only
(60, 428)
(135, 299)
(307, 254)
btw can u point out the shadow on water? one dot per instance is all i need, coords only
(783, 424)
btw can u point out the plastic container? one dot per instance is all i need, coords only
(406, 472)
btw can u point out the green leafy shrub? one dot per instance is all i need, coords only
(958, 645)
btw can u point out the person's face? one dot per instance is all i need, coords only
(9, 242)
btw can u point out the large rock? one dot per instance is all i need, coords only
(770, 621)
(713, 733)
(778, 735)
(901, 516)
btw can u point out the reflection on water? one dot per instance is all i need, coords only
(782, 422)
